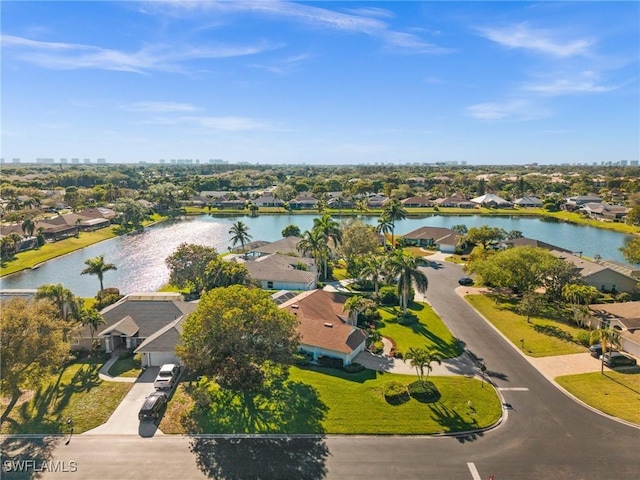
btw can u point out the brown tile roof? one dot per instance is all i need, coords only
(323, 321)
(621, 309)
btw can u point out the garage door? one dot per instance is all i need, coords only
(157, 359)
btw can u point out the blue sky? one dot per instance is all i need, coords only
(321, 82)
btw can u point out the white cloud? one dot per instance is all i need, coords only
(357, 21)
(160, 57)
(539, 40)
(215, 124)
(519, 109)
(569, 87)
(160, 107)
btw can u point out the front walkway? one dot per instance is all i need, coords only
(104, 371)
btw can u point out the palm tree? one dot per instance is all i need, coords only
(422, 358)
(329, 231)
(91, 317)
(28, 227)
(374, 270)
(314, 244)
(605, 336)
(97, 266)
(385, 225)
(67, 304)
(240, 234)
(405, 268)
(394, 211)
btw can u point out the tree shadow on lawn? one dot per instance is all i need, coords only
(453, 422)
(17, 449)
(42, 414)
(626, 371)
(359, 377)
(264, 457)
(553, 331)
(280, 407)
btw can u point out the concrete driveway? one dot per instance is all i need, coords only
(124, 419)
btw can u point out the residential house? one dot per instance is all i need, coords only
(605, 212)
(490, 200)
(528, 202)
(598, 275)
(325, 327)
(623, 317)
(574, 203)
(268, 200)
(229, 201)
(417, 202)
(532, 242)
(304, 201)
(285, 246)
(455, 201)
(377, 201)
(144, 321)
(282, 272)
(444, 239)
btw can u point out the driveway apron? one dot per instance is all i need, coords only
(124, 419)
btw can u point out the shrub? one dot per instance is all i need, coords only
(397, 354)
(582, 337)
(302, 358)
(623, 297)
(407, 319)
(377, 348)
(331, 362)
(395, 392)
(388, 296)
(353, 368)
(425, 392)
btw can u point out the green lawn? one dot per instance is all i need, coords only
(77, 393)
(430, 331)
(544, 336)
(128, 366)
(614, 393)
(320, 400)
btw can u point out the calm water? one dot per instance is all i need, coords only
(140, 257)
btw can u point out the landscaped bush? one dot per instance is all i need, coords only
(377, 348)
(407, 319)
(302, 358)
(108, 297)
(330, 362)
(353, 368)
(583, 337)
(395, 392)
(425, 392)
(388, 296)
(397, 354)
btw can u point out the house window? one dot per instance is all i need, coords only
(269, 284)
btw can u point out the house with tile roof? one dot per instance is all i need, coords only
(623, 317)
(282, 272)
(528, 202)
(491, 200)
(444, 239)
(325, 327)
(285, 246)
(147, 322)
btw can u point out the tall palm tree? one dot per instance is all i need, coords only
(374, 269)
(97, 266)
(329, 230)
(404, 267)
(28, 227)
(393, 211)
(314, 244)
(421, 359)
(67, 304)
(239, 234)
(93, 319)
(385, 225)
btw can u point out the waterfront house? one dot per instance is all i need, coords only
(605, 212)
(377, 201)
(282, 272)
(455, 201)
(443, 239)
(141, 321)
(417, 202)
(490, 200)
(268, 200)
(285, 246)
(325, 328)
(574, 203)
(304, 201)
(528, 202)
(599, 275)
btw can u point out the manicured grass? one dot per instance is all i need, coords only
(321, 400)
(428, 332)
(77, 393)
(128, 366)
(545, 335)
(418, 252)
(573, 217)
(31, 258)
(614, 393)
(169, 287)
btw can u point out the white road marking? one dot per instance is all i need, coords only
(474, 471)
(513, 389)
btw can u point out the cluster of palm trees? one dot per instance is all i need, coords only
(319, 241)
(392, 212)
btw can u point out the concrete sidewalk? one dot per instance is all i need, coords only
(104, 371)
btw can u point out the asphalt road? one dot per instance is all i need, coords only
(545, 435)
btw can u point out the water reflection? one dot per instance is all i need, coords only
(140, 257)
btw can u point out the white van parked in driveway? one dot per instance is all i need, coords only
(167, 376)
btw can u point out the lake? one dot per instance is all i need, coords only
(140, 257)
